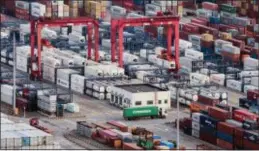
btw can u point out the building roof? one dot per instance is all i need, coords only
(137, 88)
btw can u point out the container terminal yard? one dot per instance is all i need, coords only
(129, 75)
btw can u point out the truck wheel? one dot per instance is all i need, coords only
(152, 117)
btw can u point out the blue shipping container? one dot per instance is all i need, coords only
(245, 103)
(168, 144)
(156, 137)
(25, 141)
(225, 137)
(208, 130)
(207, 50)
(209, 121)
(253, 136)
(214, 20)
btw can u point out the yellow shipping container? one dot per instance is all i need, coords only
(207, 37)
(73, 12)
(73, 4)
(180, 11)
(66, 8)
(225, 35)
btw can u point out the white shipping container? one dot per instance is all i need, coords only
(191, 53)
(117, 11)
(234, 84)
(195, 133)
(22, 4)
(158, 50)
(63, 77)
(74, 38)
(250, 87)
(21, 63)
(183, 44)
(38, 9)
(218, 45)
(152, 8)
(218, 79)
(196, 117)
(195, 39)
(255, 81)
(48, 33)
(51, 62)
(251, 63)
(195, 125)
(199, 79)
(129, 58)
(48, 73)
(230, 49)
(186, 64)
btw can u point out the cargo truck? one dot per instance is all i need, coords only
(147, 111)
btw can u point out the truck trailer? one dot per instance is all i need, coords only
(147, 111)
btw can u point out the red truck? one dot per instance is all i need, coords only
(35, 123)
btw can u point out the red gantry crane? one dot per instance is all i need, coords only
(169, 21)
(37, 26)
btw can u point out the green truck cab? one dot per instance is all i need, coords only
(147, 111)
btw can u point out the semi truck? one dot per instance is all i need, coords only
(147, 111)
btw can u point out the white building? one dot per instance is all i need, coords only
(139, 95)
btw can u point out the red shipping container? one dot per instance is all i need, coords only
(151, 30)
(250, 145)
(190, 28)
(197, 107)
(103, 126)
(207, 44)
(224, 28)
(199, 21)
(239, 132)
(226, 128)
(107, 134)
(212, 31)
(230, 56)
(253, 95)
(242, 114)
(256, 38)
(207, 101)
(123, 127)
(225, 145)
(131, 146)
(184, 35)
(216, 26)
(238, 142)
(209, 6)
(218, 113)
(208, 138)
(238, 43)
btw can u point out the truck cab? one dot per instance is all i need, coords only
(163, 112)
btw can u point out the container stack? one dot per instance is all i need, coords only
(118, 135)
(218, 128)
(73, 8)
(47, 102)
(251, 101)
(16, 136)
(96, 9)
(22, 10)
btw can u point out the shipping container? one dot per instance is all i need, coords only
(224, 144)
(242, 114)
(218, 113)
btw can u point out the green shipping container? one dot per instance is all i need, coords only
(140, 111)
(228, 8)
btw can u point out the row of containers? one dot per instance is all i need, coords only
(251, 101)
(236, 129)
(23, 136)
(46, 100)
(119, 136)
(56, 9)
